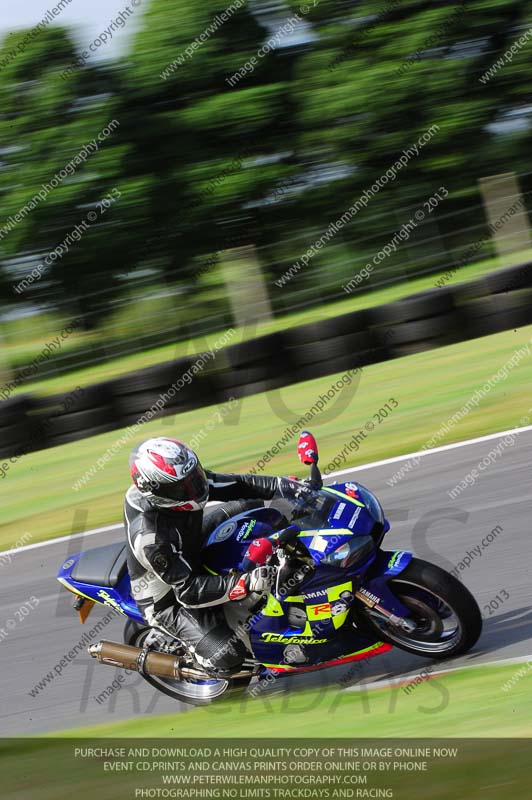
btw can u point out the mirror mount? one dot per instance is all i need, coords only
(316, 481)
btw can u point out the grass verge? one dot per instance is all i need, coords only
(37, 495)
(470, 703)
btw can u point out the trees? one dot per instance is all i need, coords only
(200, 139)
(196, 151)
(378, 77)
(58, 159)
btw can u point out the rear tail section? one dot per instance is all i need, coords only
(100, 576)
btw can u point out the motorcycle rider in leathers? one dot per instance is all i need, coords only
(166, 527)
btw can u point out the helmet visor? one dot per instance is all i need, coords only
(193, 487)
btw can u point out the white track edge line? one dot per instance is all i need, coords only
(440, 449)
(411, 676)
(60, 539)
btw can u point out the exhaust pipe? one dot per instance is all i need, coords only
(150, 662)
(147, 662)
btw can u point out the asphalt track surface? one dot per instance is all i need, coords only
(424, 519)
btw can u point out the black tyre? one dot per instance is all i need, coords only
(411, 348)
(154, 379)
(262, 371)
(418, 306)
(13, 410)
(447, 616)
(76, 436)
(499, 312)
(494, 323)
(503, 280)
(519, 300)
(14, 434)
(79, 399)
(328, 349)
(138, 403)
(234, 385)
(335, 366)
(255, 350)
(99, 417)
(199, 693)
(420, 329)
(355, 322)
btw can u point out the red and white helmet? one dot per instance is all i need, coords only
(168, 474)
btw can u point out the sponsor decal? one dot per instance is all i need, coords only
(109, 601)
(191, 463)
(225, 531)
(395, 559)
(278, 637)
(323, 608)
(370, 596)
(339, 511)
(68, 563)
(351, 490)
(338, 607)
(245, 530)
(309, 595)
(351, 523)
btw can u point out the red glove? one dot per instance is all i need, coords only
(257, 554)
(307, 449)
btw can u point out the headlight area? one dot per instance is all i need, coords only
(357, 550)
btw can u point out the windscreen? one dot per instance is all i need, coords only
(307, 508)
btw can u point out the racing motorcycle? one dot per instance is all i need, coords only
(339, 597)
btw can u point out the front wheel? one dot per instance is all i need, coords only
(193, 692)
(447, 617)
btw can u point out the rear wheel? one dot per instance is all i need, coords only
(447, 617)
(194, 692)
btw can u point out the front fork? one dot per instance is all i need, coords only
(375, 593)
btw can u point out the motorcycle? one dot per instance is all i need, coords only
(339, 597)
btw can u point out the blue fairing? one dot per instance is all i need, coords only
(346, 518)
(118, 597)
(227, 544)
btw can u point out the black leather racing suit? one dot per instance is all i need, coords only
(164, 560)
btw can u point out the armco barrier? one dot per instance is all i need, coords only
(440, 316)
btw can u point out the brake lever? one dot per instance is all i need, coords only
(282, 561)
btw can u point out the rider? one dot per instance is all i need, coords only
(166, 528)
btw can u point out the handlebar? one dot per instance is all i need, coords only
(284, 537)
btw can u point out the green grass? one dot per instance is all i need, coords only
(469, 703)
(36, 494)
(120, 366)
(465, 703)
